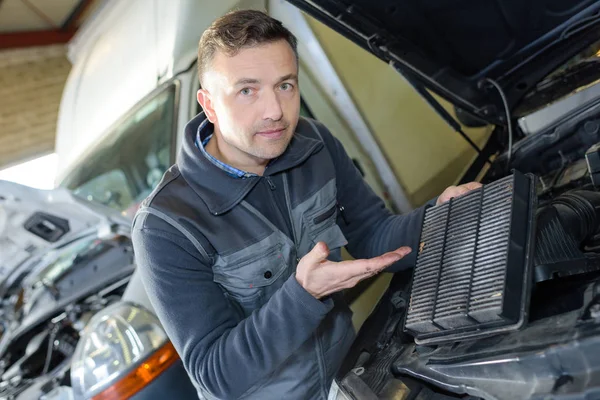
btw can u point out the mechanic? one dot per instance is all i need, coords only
(239, 246)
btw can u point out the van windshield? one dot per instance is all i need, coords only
(128, 164)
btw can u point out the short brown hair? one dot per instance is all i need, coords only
(237, 30)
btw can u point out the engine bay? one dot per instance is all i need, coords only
(47, 303)
(504, 302)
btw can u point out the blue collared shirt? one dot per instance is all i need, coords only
(231, 171)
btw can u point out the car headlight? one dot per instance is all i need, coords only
(121, 350)
(335, 393)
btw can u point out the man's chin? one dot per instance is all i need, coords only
(272, 149)
(270, 154)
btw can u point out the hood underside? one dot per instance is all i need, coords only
(451, 46)
(33, 220)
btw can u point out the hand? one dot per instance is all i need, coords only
(321, 277)
(455, 191)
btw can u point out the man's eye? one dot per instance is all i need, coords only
(246, 91)
(286, 86)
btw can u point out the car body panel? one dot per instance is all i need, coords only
(33, 220)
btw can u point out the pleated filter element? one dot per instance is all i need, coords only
(462, 281)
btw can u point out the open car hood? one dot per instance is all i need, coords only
(451, 46)
(33, 220)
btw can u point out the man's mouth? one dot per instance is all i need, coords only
(272, 133)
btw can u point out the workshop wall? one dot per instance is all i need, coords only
(31, 84)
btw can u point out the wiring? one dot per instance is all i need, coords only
(508, 120)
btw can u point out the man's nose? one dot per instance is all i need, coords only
(272, 106)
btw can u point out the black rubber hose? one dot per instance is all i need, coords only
(579, 213)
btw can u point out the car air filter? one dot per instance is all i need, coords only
(472, 275)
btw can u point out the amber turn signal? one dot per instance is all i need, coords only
(142, 375)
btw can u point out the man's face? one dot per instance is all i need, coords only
(253, 100)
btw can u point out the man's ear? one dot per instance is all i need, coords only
(205, 100)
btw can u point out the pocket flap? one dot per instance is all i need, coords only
(251, 267)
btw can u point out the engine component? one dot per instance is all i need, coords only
(19, 367)
(562, 226)
(572, 176)
(553, 149)
(48, 227)
(462, 284)
(592, 157)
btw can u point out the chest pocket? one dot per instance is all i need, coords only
(321, 226)
(316, 218)
(250, 276)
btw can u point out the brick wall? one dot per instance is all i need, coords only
(31, 84)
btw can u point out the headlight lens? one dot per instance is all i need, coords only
(121, 350)
(336, 393)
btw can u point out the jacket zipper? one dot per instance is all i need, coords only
(320, 218)
(288, 202)
(281, 213)
(271, 184)
(318, 347)
(321, 363)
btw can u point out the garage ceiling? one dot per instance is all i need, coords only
(33, 71)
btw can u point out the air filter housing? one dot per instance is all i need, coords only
(472, 276)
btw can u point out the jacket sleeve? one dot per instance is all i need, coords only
(222, 354)
(370, 228)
